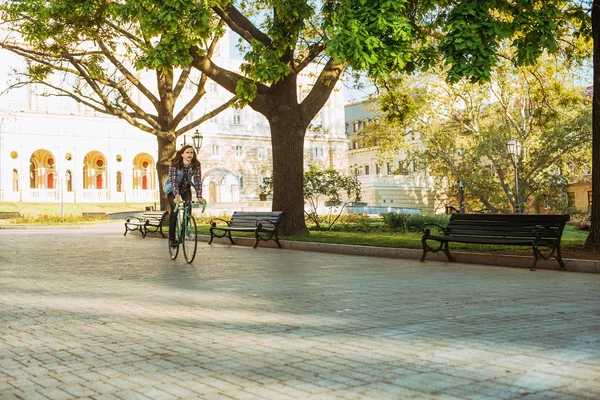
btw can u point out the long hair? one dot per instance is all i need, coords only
(177, 159)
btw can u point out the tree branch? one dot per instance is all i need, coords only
(322, 89)
(205, 117)
(242, 25)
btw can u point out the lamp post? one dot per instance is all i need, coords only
(197, 138)
(461, 197)
(514, 148)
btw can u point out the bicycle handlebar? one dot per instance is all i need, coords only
(181, 201)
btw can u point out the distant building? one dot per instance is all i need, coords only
(382, 185)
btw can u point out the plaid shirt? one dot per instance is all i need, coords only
(184, 185)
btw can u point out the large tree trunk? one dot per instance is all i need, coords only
(166, 150)
(287, 138)
(593, 240)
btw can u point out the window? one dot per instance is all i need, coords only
(366, 170)
(15, 180)
(388, 168)
(377, 169)
(237, 117)
(262, 153)
(318, 153)
(119, 181)
(589, 200)
(239, 151)
(355, 127)
(241, 180)
(571, 199)
(214, 150)
(212, 87)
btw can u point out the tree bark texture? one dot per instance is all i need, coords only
(593, 241)
(166, 150)
(288, 129)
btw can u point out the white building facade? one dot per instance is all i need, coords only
(54, 149)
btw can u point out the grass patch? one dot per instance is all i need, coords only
(75, 209)
(46, 219)
(572, 238)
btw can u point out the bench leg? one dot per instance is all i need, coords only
(277, 240)
(211, 236)
(257, 239)
(161, 231)
(424, 243)
(125, 234)
(447, 251)
(229, 237)
(535, 260)
(559, 259)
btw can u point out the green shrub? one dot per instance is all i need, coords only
(412, 222)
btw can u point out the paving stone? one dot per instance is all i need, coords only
(109, 317)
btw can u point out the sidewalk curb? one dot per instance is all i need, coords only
(501, 260)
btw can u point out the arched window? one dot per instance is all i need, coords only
(69, 183)
(15, 181)
(99, 181)
(50, 180)
(119, 181)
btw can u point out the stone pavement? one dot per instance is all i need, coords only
(90, 314)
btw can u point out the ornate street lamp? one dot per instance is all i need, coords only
(514, 148)
(197, 138)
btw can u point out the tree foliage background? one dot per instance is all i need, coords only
(463, 130)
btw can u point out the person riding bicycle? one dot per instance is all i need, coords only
(184, 171)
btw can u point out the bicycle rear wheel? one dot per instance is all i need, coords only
(190, 239)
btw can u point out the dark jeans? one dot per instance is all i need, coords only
(185, 196)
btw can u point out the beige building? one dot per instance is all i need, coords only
(381, 185)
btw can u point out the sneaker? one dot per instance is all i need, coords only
(174, 243)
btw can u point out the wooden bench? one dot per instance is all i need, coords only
(150, 221)
(9, 214)
(542, 232)
(265, 226)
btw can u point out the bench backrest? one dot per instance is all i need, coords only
(249, 218)
(155, 217)
(507, 225)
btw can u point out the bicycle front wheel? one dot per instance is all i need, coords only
(174, 251)
(190, 239)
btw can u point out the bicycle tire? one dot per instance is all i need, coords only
(190, 239)
(174, 251)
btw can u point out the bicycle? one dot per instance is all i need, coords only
(186, 234)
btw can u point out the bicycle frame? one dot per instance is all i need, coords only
(183, 214)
